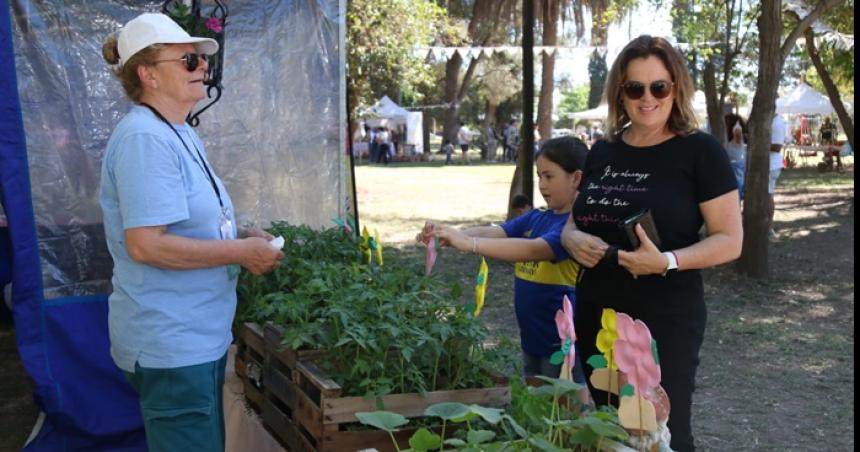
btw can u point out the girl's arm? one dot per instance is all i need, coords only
(478, 231)
(725, 237)
(585, 248)
(501, 248)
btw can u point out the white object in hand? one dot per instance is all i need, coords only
(277, 242)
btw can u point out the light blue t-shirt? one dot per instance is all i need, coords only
(158, 317)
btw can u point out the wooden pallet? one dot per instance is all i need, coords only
(250, 364)
(305, 411)
(322, 412)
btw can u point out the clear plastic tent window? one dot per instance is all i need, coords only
(275, 137)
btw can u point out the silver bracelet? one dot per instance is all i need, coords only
(474, 245)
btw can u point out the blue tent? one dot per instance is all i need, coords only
(58, 104)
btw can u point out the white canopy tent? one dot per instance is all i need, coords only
(596, 113)
(386, 111)
(804, 100)
(600, 112)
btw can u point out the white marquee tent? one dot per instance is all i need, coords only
(804, 100)
(600, 112)
(387, 109)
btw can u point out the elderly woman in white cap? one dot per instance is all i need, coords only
(171, 232)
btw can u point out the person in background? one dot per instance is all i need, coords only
(464, 137)
(544, 273)
(736, 148)
(492, 142)
(521, 205)
(448, 149)
(653, 157)
(777, 141)
(512, 141)
(170, 229)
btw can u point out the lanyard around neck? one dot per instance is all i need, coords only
(202, 162)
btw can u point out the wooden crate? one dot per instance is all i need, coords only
(304, 410)
(322, 412)
(250, 364)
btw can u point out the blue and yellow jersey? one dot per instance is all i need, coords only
(539, 286)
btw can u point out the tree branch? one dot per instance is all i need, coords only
(804, 24)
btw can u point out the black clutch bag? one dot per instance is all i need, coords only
(644, 218)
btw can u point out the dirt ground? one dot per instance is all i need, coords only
(777, 364)
(777, 369)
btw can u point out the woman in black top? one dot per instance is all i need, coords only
(655, 158)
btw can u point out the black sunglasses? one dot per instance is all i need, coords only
(191, 60)
(660, 89)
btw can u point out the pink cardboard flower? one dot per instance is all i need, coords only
(214, 24)
(634, 356)
(566, 332)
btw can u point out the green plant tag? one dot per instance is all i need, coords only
(565, 348)
(556, 358)
(627, 390)
(447, 410)
(383, 420)
(597, 361)
(424, 439)
(654, 351)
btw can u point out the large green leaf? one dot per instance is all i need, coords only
(383, 420)
(491, 415)
(606, 429)
(447, 410)
(479, 436)
(424, 439)
(543, 445)
(517, 427)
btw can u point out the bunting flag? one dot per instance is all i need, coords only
(376, 245)
(481, 286)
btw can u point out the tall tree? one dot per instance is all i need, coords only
(772, 54)
(597, 73)
(840, 59)
(549, 13)
(484, 28)
(379, 64)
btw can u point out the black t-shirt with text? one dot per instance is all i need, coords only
(671, 179)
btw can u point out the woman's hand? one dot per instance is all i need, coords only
(646, 260)
(259, 256)
(587, 249)
(255, 232)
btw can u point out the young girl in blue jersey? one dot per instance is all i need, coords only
(544, 271)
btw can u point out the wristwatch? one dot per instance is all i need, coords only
(673, 262)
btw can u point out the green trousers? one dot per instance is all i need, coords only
(183, 407)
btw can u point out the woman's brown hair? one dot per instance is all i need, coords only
(682, 120)
(127, 73)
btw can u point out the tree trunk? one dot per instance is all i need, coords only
(523, 181)
(830, 87)
(715, 108)
(550, 38)
(599, 25)
(772, 56)
(754, 256)
(452, 79)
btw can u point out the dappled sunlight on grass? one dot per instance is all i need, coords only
(397, 200)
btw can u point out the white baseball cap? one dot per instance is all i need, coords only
(153, 28)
